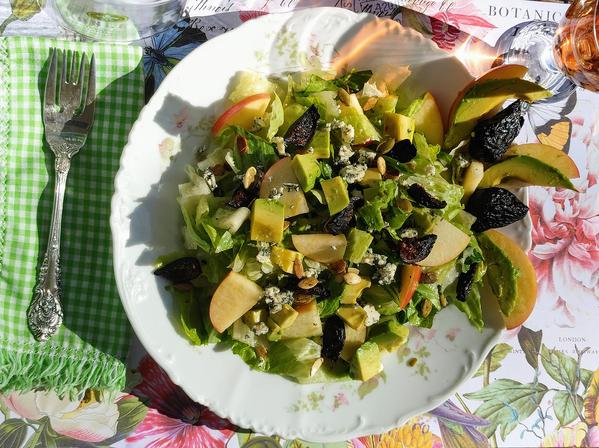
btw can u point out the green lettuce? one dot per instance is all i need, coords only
(259, 153)
(276, 117)
(293, 357)
(380, 196)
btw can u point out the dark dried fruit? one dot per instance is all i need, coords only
(181, 270)
(316, 291)
(423, 198)
(333, 337)
(342, 221)
(243, 197)
(492, 137)
(302, 130)
(403, 151)
(494, 207)
(413, 250)
(465, 282)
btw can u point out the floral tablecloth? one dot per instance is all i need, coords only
(538, 387)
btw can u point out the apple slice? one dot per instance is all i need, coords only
(527, 280)
(235, 296)
(551, 156)
(278, 175)
(306, 325)
(450, 243)
(322, 247)
(243, 113)
(429, 121)
(410, 277)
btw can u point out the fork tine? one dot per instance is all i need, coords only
(72, 68)
(81, 81)
(91, 82)
(63, 68)
(50, 89)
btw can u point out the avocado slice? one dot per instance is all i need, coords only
(353, 340)
(351, 293)
(335, 192)
(372, 176)
(266, 222)
(306, 169)
(285, 258)
(399, 127)
(252, 317)
(482, 98)
(285, 317)
(502, 275)
(389, 335)
(275, 331)
(353, 315)
(321, 143)
(527, 169)
(366, 362)
(358, 242)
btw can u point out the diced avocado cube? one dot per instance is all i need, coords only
(353, 340)
(335, 192)
(252, 317)
(353, 315)
(366, 362)
(385, 104)
(266, 222)
(399, 126)
(285, 317)
(351, 293)
(306, 169)
(275, 331)
(321, 144)
(243, 333)
(285, 258)
(358, 242)
(371, 177)
(389, 335)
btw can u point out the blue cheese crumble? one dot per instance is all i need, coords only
(313, 268)
(208, 176)
(344, 154)
(276, 193)
(275, 298)
(372, 315)
(280, 145)
(353, 173)
(261, 328)
(385, 271)
(347, 131)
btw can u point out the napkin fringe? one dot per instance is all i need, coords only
(61, 371)
(4, 136)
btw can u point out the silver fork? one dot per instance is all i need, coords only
(67, 123)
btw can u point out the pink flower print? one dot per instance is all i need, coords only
(173, 419)
(340, 400)
(447, 25)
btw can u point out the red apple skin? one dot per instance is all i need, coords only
(232, 111)
(410, 277)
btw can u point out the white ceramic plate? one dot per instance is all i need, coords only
(146, 223)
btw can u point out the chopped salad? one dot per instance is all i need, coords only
(332, 213)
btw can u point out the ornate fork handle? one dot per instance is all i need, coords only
(45, 312)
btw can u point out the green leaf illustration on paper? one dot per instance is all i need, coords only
(4, 410)
(22, 10)
(131, 413)
(13, 432)
(507, 402)
(560, 367)
(585, 377)
(567, 407)
(530, 341)
(500, 351)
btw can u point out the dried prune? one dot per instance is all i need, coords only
(492, 137)
(243, 197)
(342, 221)
(465, 282)
(403, 151)
(180, 270)
(333, 337)
(423, 198)
(494, 207)
(413, 250)
(302, 130)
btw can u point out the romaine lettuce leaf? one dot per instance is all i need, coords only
(293, 358)
(260, 152)
(371, 212)
(276, 117)
(247, 83)
(471, 307)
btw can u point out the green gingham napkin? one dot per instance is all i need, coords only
(90, 349)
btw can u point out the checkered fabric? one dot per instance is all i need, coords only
(89, 350)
